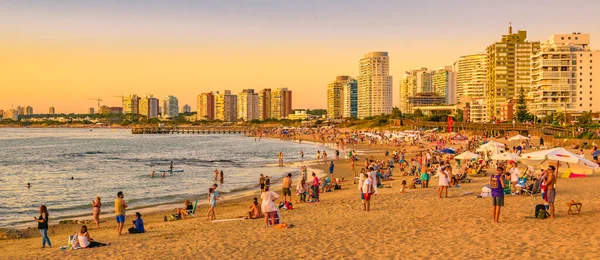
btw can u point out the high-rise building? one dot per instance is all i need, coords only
(170, 107)
(350, 99)
(374, 85)
(28, 110)
(91, 111)
(131, 104)
(478, 110)
(424, 99)
(148, 106)
(562, 75)
(264, 104)
(226, 106)
(509, 69)
(187, 108)
(342, 97)
(247, 103)
(471, 78)
(281, 103)
(206, 107)
(12, 114)
(20, 110)
(51, 111)
(407, 89)
(442, 83)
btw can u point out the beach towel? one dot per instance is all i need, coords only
(73, 241)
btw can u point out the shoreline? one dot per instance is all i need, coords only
(167, 207)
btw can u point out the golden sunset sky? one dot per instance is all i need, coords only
(62, 53)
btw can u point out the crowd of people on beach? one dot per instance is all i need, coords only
(421, 165)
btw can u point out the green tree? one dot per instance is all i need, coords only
(522, 114)
(396, 113)
(459, 115)
(419, 113)
(560, 118)
(585, 118)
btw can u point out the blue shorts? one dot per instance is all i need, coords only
(120, 219)
(362, 196)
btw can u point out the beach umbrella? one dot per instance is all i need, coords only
(518, 138)
(575, 163)
(448, 151)
(467, 156)
(506, 157)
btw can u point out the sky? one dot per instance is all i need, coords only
(66, 53)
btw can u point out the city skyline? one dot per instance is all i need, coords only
(62, 54)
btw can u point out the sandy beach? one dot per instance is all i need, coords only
(411, 225)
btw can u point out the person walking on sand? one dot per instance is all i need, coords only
(96, 211)
(42, 221)
(280, 158)
(442, 181)
(331, 170)
(497, 186)
(286, 184)
(315, 187)
(212, 202)
(550, 184)
(120, 206)
(367, 191)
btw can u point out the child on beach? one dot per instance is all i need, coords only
(403, 187)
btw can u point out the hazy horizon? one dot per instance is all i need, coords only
(62, 53)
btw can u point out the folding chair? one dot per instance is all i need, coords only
(192, 211)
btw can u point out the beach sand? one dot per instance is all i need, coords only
(413, 225)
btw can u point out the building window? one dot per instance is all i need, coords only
(576, 38)
(580, 105)
(569, 38)
(562, 38)
(580, 92)
(580, 55)
(580, 99)
(580, 74)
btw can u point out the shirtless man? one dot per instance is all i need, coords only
(551, 189)
(286, 184)
(280, 158)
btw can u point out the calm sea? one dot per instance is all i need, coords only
(105, 161)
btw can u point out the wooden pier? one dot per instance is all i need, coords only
(191, 130)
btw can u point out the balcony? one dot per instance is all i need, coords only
(556, 74)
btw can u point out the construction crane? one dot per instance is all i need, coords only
(99, 100)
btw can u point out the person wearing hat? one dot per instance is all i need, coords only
(138, 224)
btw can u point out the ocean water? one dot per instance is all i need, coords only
(105, 161)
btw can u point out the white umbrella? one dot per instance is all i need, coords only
(467, 156)
(573, 161)
(506, 157)
(518, 138)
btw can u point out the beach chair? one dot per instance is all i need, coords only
(272, 221)
(535, 189)
(507, 187)
(192, 211)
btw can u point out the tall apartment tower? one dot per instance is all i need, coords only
(562, 75)
(170, 107)
(264, 104)
(148, 106)
(374, 85)
(226, 106)
(51, 111)
(509, 69)
(471, 78)
(131, 104)
(281, 103)
(442, 83)
(342, 97)
(247, 105)
(407, 89)
(28, 110)
(206, 107)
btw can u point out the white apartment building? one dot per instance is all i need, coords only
(470, 73)
(131, 104)
(374, 85)
(247, 107)
(170, 107)
(478, 111)
(563, 74)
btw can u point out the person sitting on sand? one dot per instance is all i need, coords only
(255, 210)
(138, 225)
(403, 186)
(85, 241)
(187, 206)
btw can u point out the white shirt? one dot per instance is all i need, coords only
(373, 177)
(361, 180)
(83, 241)
(366, 187)
(267, 201)
(515, 173)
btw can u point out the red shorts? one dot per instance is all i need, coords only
(367, 196)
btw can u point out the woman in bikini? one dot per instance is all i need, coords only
(96, 204)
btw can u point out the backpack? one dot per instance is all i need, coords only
(540, 211)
